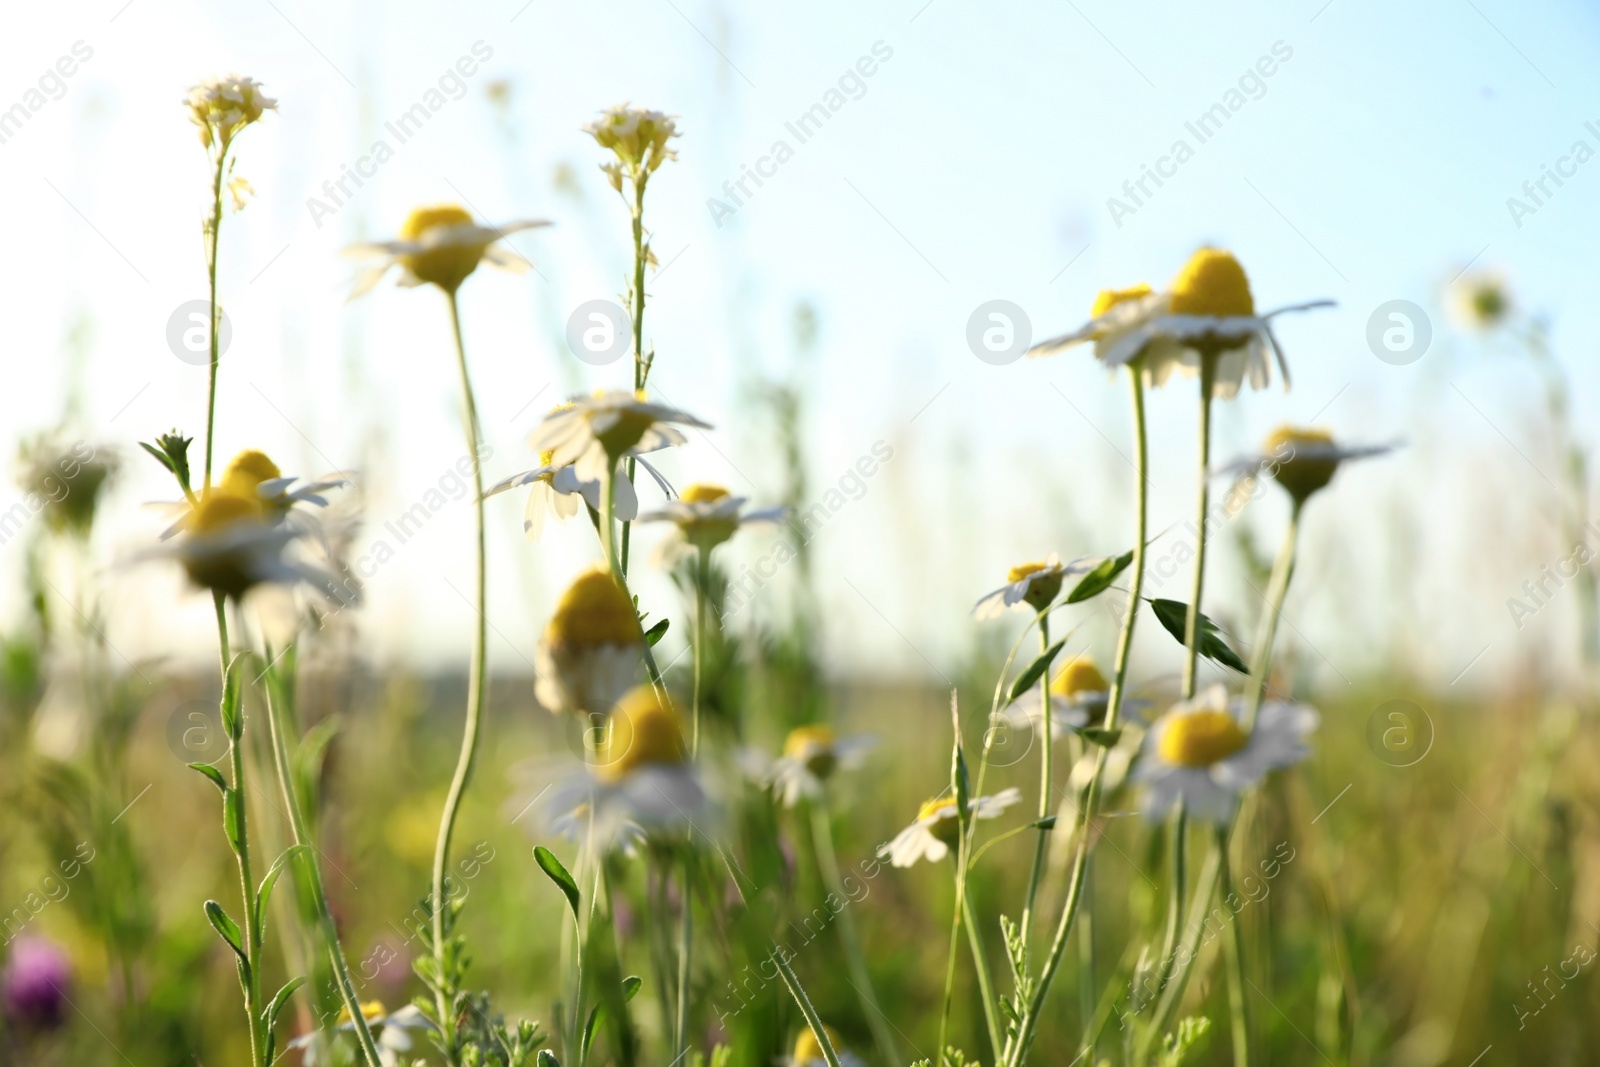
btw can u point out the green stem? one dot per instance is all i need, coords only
(1233, 955)
(213, 310)
(855, 958)
(813, 1020)
(701, 578)
(1191, 626)
(1172, 993)
(475, 691)
(247, 884)
(1017, 1051)
(326, 926)
(641, 370)
(1046, 785)
(680, 1030)
(980, 964)
(1266, 634)
(1178, 864)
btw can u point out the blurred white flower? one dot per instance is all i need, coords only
(937, 829)
(1033, 584)
(592, 432)
(439, 246)
(222, 107)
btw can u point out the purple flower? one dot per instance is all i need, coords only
(33, 984)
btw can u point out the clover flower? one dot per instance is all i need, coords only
(33, 984)
(440, 246)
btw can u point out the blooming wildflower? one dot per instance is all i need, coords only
(33, 985)
(1033, 584)
(222, 107)
(251, 475)
(637, 137)
(1302, 460)
(937, 829)
(392, 1032)
(1207, 309)
(592, 649)
(67, 481)
(639, 779)
(439, 246)
(1481, 300)
(808, 1051)
(705, 516)
(1078, 697)
(230, 545)
(1199, 754)
(593, 432)
(811, 756)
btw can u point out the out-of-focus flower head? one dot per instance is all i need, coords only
(638, 137)
(65, 482)
(592, 650)
(1034, 584)
(222, 107)
(705, 516)
(593, 432)
(440, 246)
(1480, 300)
(937, 829)
(1302, 460)
(808, 1050)
(812, 755)
(34, 983)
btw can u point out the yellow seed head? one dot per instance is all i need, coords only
(644, 729)
(1110, 298)
(702, 493)
(447, 265)
(806, 1049)
(1201, 738)
(1078, 677)
(247, 471)
(224, 571)
(815, 746)
(1300, 474)
(595, 610)
(1042, 587)
(1212, 283)
(221, 509)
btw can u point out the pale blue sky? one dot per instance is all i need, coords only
(976, 165)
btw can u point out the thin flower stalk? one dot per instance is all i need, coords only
(1233, 956)
(250, 977)
(1046, 784)
(1266, 634)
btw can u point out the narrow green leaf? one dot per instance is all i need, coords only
(1174, 617)
(630, 986)
(268, 883)
(233, 697)
(653, 636)
(269, 1016)
(211, 773)
(1035, 671)
(224, 925)
(161, 457)
(547, 1058)
(1103, 738)
(1099, 580)
(558, 874)
(1046, 823)
(233, 818)
(588, 1033)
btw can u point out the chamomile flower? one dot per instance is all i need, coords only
(812, 755)
(439, 246)
(592, 650)
(1078, 697)
(559, 491)
(230, 546)
(252, 475)
(937, 829)
(391, 1031)
(222, 107)
(705, 516)
(638, 137)
(1034, 584)
(1480, 300)
(1199, 754)
(808, 1051)
(1302, 460)
(639, 778)
(1208, 311)
(592, 432)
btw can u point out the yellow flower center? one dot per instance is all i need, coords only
(702, 493)
(1041, 590)
(629, 427)
(1110, 298)
(1078, 677)
(221, 509)
(547, 457)
(815, 746)
(806, 1049)
(1212, 283)
(643, 729)
(1201, 738)
(1300, 474)
(595, 610)
(247, 471)
(1023, 570)
(947, 828)
(446, 265)
(372, 1011)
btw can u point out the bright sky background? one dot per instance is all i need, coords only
(976, 165)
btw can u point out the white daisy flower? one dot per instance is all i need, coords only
(230, 546)
(592, 432)
(640, 781)
(252, 474)
(936, 829)
(704, 516)
(1480, 300)
(1033, 584)
(811, 756)
(808, 1052)
(1302, 460)
(222, 107)
(441, 246)
(391, 1032)
(1078, 697)
(1208, 309)
(592, 650)
(1198, 753)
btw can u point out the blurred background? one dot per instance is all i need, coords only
(1431, 161)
